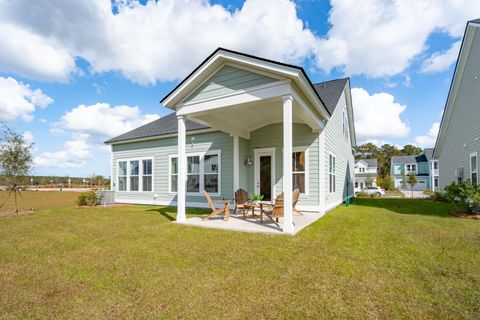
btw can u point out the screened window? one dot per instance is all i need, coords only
(299, 170)
(147, 175)
(203, 173)
(122, 176)
(473, 168)
(210, 177)
(135, 175)
(331, 174)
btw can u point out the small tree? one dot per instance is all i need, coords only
(412, 181)
(404, 181)
(15, 159)
(387, 183)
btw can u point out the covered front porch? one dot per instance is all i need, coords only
(261, 114)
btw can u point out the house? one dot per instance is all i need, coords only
(365, 173)
(241, 121)
(423, 166)
(458, 141)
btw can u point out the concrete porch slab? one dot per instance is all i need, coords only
(252, 224)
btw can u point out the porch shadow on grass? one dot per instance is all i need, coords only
(171, 212)
(423, 207)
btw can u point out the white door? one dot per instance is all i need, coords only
(265, 173)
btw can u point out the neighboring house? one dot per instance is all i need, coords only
(458, 141)
(423, 166)
(241, 121)
(365, 173)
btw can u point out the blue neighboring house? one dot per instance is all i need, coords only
(424, 166)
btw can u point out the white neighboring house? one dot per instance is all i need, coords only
(365, 173)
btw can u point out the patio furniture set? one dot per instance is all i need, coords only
(242, 202)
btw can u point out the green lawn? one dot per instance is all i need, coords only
(378, 258)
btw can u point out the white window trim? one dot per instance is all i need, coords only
(140, 174)
(473, 154)
(201, 172)
(306, 150)
(334, 173)
(410, 164)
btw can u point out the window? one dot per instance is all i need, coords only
(473, 168)
(411, 168)
(298, 170)
(210, 165)
(203, 173)
(135, 175)
(147, 175)
(193, 174)
(331, 173)
(122, 176)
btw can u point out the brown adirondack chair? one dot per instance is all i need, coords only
(296, 196)
(241, 199)
(215, 211)
(276, 211)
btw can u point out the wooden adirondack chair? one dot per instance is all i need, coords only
(276, 211)
(215, 211)
(241, 198)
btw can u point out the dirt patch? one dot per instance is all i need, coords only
(16, 213)
(465, 215)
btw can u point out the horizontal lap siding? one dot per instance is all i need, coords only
(462, 136)
(228, 80)
(160, 150)
(272, 136)
(341, 148)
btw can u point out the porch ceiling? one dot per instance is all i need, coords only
(244, 118)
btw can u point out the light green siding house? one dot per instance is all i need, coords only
(458, 141)
(240, 121)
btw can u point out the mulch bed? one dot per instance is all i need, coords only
(465, 215)
(16, 214)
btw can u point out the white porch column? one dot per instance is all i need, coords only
(236, 163)
(182, 169)
(287, 164)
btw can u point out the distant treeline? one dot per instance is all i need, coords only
(55, 180)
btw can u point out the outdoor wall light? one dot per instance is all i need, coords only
(248, 162)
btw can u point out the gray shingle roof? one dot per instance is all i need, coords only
(165, 125)
(409, 159)
(428, 152)
(330, 92)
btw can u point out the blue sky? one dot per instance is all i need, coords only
(94, 69)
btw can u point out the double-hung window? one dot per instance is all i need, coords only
(331, 174)
(474, 168)
(300, 169)
(135, 175)
(203, 172)
(411, 168)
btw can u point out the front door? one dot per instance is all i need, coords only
(264, 173)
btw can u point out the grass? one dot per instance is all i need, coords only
(39, 200)
(377, 258)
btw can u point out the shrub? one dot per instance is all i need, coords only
(89, 198)
(439, 197)
(386, 183)
(465, 196)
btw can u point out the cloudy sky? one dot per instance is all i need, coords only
(75, 73)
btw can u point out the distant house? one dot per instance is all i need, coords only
(423, 166)
(458, 141)
(241, 121)
(365, 173)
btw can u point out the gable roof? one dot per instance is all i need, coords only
(369, 162)
(165, 125)
(428, 152)
(217, 55)
(456, 79)
(330, 92)
(409, 159)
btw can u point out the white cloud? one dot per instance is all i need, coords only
(428, 140)
(28, 137)
(88, 127)
(441, 61)
(377, 116)
(42, 120)
(18, 100)
(163, 40)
